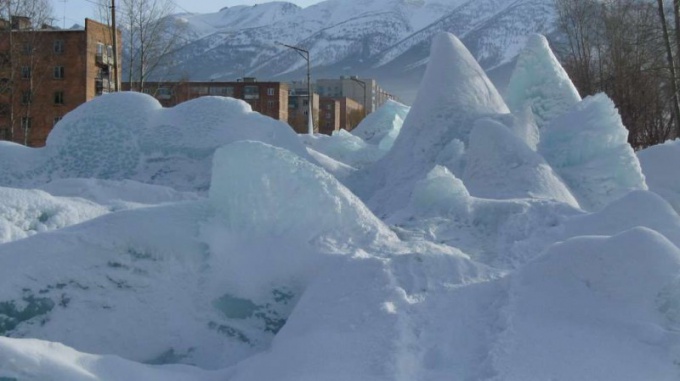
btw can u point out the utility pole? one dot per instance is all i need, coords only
(305, 54)
(115, 45)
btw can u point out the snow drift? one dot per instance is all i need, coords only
(659, 164)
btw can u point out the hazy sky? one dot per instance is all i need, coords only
(75, 11)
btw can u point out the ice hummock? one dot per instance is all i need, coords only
(588, 147)
(27, 212)
(206, 282)
(453, 94)
(501, 166)
(147, 143)
(345, 148)
(382, 127)
(283, 273)
(540, 83)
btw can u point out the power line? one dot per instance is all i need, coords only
(95, 3)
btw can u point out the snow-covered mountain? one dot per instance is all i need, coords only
(386, 39)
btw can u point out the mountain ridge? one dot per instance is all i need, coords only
(385, 39)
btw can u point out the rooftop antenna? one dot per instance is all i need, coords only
(64, 16)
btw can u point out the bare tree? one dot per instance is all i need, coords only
(617, 47)
(151, 37)
(578, 19)
(675, 105)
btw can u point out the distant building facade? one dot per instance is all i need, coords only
(298, 104)
(365, 91)
(47, 72)
(351, 113)
(329, 115)
(267, 98)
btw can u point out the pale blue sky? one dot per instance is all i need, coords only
(70, 12)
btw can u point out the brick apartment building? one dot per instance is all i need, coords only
(329, 115)
(267, 98)
(298, 105)
(351, 113)
(47, 72)
(364, 91)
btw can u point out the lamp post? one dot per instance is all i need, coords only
(363, 85)
(305, 54)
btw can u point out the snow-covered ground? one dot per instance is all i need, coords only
(459, 240)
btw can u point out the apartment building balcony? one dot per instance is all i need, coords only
(103, 59)
(102, 86)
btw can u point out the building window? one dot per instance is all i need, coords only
(26, 97)
(271, 91)
(227, 91)
(251, 92)
(56, 120)
(109, 51)
(58, 97)
(26, 123)
(328, 115)
(4, 85)
(200, 90)
(59, 72)
(58, 46)
(270, 104)
(25, 72)
(4, 109)
(28, 48)
(100, 54)
(164, 93)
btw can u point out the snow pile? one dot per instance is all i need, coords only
(649, 211)
(539, 82)
(27, 212)
(600, 308)
(207, 282)
(280, 196)
(382, 127)
(588, 148)
(171, 147)
(503, 233)
(659, 165)
(437, 126)
(345, 148)
(501, 166)
(36, 360)
(116, 195)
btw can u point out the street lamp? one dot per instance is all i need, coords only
(362, 84)
(305, 54)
